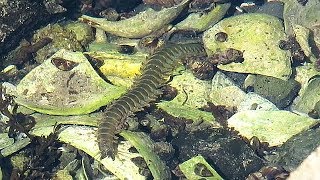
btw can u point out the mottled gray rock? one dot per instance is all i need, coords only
(296, 149)
(278, 91)
(253, 101)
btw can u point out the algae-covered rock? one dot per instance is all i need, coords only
(62, 38)
(140, 25)
(145, 147)
(302, 35)
(257, 36)
(308, 169)
(225, 92)
(83, 138)
(310, 97)
(120, 69)
(202, 21)
(192, 94)
(274, 127)
(197, 168)
(5, 141)
(307, 16)
(278, 91)
(296, 149)
(178, 110)
(65, 84)
(304, 74)
(83, 32)
(253, 101)
(220, 148)
(15, 147)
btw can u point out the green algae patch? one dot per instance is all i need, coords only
(140, 25)
(83, 32)
(44, 120)
(62, 38)
(310, 97)
(192, 92)
(178, 110)
(192, 95)
(225, 92)
(83, 138)
(307, 16)
(118, 68)
(274, 127)
(145, 145)
(202, 21)
(51, 89)
(193, 167)
(278, 91)
(257, 36)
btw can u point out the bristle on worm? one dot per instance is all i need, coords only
(144, 90)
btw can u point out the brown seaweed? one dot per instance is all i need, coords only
(145, 90)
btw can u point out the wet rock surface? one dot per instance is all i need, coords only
(310, 97)
(230, 156)
(278, 91)
(296, 149)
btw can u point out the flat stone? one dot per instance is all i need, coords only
(254, 101)
(310, 97)
(274, 127)
(278, 91)
(257, 36)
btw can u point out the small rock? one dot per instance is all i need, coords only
(310, 97)
(254, 101)
(278, 91)
(232, 156)
(225, 92)
(274, 127)
(296, 149)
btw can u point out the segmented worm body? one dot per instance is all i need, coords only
(144, 90)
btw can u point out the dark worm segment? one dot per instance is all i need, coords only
(144, 90)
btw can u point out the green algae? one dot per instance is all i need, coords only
(200, 21)
(62, 38)
(274, 127)
(140, 25)
(257, 36)
(189, 169)
(309, 97)
(118, 68)
(81, 90)
(145, 145)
